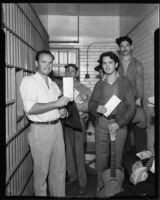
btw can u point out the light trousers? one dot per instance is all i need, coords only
(47, 149)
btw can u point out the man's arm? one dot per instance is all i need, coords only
(29, 96)
(40, 108)
(131, 106)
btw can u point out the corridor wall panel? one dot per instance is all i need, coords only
(25, 35)
(143, 49)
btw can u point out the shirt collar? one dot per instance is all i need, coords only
(38, 76)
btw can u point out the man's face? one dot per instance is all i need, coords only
(109, 66)
(71, 72)
(125, 48)
(45, 64)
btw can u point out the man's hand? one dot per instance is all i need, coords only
(63, 101)
(101, 109)
(113, 127)
(63, 113)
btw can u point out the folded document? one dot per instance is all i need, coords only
(111, 104)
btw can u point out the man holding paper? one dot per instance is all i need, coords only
(75, 139)
(45, 137)
(113, 104)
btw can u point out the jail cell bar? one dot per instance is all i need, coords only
(24, 36)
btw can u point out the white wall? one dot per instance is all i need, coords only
(91, 28)
(143, 46)
(132, 15)
(44, 20)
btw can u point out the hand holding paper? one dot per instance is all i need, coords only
(101, 109)
(111, 105)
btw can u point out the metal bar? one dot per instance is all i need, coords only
(8, 178)
(31, 22)
(10, 102)
(19, 68)
(11, 31)
(54, 41)
(15, 135)
(28, 179)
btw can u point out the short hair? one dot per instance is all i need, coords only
(124, 38)
(110, 54)
(71, 65)
(43, 52)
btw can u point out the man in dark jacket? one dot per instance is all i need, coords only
(132, 69)
(111, 84)
(75, 139)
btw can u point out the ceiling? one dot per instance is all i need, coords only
(91, 9)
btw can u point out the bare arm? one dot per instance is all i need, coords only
(40, 108)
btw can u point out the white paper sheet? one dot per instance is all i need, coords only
(68, 87)
(111, 104)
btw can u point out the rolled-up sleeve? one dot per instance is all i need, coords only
(28, 93)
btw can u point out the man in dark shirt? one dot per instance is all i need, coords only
(131, 68)
(75, 139)
(111, 84)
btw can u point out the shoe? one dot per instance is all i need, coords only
(82, 190)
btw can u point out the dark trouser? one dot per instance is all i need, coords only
(140, 138)
(75, 157)
(139, 124)
(103, 150)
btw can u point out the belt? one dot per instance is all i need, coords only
(111, 117)
(46, 123)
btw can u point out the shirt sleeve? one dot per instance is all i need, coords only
(28, 93)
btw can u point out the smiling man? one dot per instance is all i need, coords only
(112, 83)
(131, 68)
(45, 137)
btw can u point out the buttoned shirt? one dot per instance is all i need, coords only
(34, 90)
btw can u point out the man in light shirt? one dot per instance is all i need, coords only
(45, 137)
